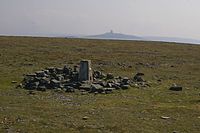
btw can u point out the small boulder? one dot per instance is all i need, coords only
(125, 80)
(41, 88)
(14, 82)
(85, 86)
(138, 77)
(108, 90)
(109, 76)
(175, 87)
(165, 117)
(59, 70)
(31, 75)
(40, 74)
(97, 88)
(125, 87)
(85, 118)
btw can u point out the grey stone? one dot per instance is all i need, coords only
(140, 74)
(125, 87)
(98, 75)
(44, 81)
(14, 82)
(138, 78)
(32, 85)
(103, 83)
(109, 89)
(85, 118)
(31, 75)
(51, 69)
(109, 76)
(117, 86)
(54, 83)
(59, 77)
(109, 85)
(176, 88)
(40, 74)
(75, 77)
(41, 88)
(58, 90)
(66, 70)
(86, 87)
(125, 80)
(46, 72)
(76, 68)
(97, 88)
(59, 70)
(165, 117)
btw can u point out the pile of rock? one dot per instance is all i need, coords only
(68, 80)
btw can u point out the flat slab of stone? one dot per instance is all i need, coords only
(176, 88)
(86, 87)
(31, 75)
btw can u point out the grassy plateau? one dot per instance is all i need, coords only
(155, 109)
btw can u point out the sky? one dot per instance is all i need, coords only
(168, 18)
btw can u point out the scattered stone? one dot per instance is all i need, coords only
(40, 74)
(174, 87)
(31, 75)
(41, 88)
(109, 76)
(140, 74)
(125, 87)
(159, 80)
(165, 117)
(58, 90)
(69, 89)
(86, 87)
(138, 77)
(98, 75)
(85, 118)
(109, 90)
(59, 70)
(97, 88)
(14, 82)
(54, 83)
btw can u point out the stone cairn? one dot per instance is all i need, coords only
(83, 79)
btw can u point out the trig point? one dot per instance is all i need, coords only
(85, 73)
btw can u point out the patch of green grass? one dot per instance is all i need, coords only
(133, 110)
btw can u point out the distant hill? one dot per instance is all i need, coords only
(114, 36)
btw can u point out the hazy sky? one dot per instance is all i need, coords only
(174, 18)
